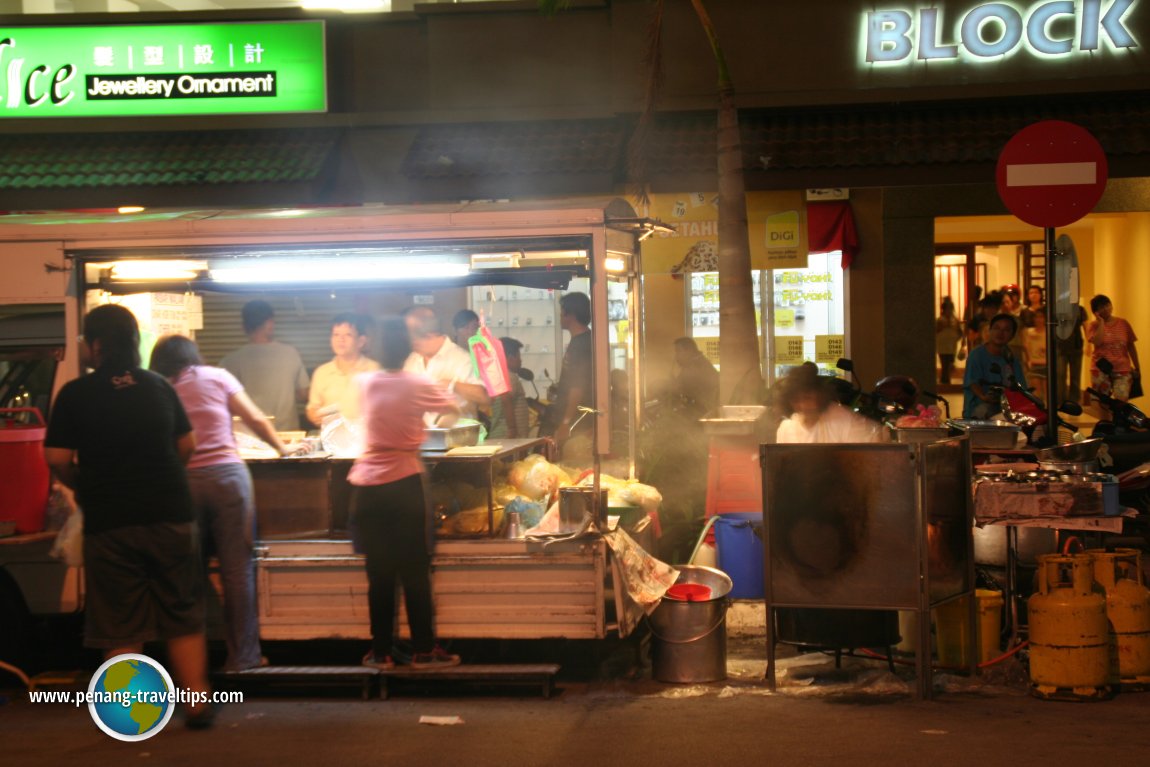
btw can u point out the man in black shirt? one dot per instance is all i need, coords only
(575, 384)
(119, 437)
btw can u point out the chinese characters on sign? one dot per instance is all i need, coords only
(163, 69)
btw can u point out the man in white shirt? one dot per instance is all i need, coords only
(440, 359)
(815, 418)
(332, 393)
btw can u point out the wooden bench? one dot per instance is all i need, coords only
(365, 676)
(542, 674)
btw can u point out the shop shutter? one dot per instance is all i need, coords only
(302, 320)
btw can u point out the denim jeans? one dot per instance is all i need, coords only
(225, 509)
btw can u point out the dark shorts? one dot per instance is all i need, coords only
(144, 583)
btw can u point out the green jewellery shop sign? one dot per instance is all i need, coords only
(170, 69)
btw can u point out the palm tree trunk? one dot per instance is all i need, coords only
(740, 374)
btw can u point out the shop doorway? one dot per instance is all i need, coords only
(966, 272)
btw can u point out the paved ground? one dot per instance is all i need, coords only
(609, 712)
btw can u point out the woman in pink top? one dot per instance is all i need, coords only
(221, 484)
(389, 507)
(1112, 339)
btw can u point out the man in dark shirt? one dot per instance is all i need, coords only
(575, 384)
(119, 437)
(697, 385)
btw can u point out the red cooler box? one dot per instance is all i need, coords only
(23, 472)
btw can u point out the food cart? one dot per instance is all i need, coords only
(171, 269)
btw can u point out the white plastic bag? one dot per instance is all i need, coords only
(69, 544)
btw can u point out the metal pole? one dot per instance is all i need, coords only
(1051, 343)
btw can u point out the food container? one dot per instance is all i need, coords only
(1085, 451)
(735, 420)
(908, 434)
(436, 438)
(994, 435)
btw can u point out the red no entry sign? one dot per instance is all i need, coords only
(1051, 173)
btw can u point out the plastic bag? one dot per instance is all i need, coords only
(490, 362)
(69, 544)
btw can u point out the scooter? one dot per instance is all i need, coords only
(891, 397)
(1126, 432)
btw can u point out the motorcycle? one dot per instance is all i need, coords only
(1126, 432)
(891, 397)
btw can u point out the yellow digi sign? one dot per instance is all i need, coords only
(776, 230)
(830, 349)
(788, 350)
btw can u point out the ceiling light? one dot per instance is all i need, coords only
(347, 6)
(145, 270)
(125, 210)
(495, 260)
(615, 264)
(298, 270)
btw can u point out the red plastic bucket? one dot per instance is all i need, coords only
(23, 472)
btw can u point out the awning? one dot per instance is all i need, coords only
(163, 159)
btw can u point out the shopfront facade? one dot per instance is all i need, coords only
(901, 110)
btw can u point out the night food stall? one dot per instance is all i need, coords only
(187, 274)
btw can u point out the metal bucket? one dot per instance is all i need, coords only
(690, 638)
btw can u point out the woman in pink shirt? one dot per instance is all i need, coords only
(221, 484)
(389, 506)
(1112, 339)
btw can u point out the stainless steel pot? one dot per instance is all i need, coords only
(577, 503)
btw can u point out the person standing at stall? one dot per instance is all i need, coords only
(696, 385)
(332, 393)
(465, 324)
(437, 357)
(1112, 339)
(814, 417)
(221, 484)
(119, 437)
(993, 363)
(509, 412)
(575, 383)
(272, 373)
(947, 336)
(389, 502)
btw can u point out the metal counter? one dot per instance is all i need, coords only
(312, 584)
(871, 527)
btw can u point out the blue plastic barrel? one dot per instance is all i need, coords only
(739, 548)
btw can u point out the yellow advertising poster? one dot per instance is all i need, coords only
(785, 318)
(830, 349)
(788, 350)
(776, 227)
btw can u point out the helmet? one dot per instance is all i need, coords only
(902, 390)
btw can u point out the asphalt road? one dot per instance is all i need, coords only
(859, 715)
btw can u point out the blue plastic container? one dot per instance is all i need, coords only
(739, 549)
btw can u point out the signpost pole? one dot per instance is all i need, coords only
(1051, 344)
(1050, 174)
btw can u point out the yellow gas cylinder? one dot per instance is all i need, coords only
(1069, 635)
(1119, 572)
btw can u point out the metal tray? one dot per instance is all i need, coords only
(995, 435)
(735, 420)
(436, 438)
(921, 434)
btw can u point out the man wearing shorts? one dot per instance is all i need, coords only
(119, 437)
